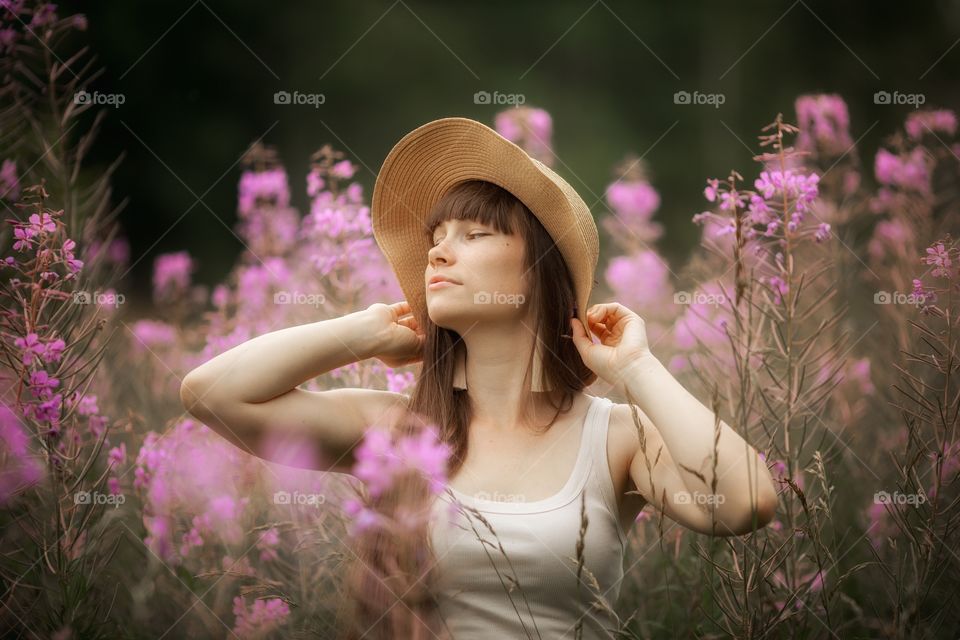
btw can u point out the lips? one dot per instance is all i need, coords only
(438, 278)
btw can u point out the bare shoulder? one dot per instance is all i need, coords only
(631, 431)
(627, 423)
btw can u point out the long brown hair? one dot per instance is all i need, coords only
(551, 293)
(434, 400)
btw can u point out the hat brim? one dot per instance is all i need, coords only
(433, 158)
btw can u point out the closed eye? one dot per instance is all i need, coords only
(470, 235)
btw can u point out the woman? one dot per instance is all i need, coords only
(496, 256)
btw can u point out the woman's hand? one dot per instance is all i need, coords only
(398, 334)
(623, 340)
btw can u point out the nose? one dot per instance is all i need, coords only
(439, 254)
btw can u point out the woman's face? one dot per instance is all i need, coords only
(487, 266)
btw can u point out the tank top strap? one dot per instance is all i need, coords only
(598, 423)
(601, 478)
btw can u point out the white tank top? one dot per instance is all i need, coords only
(539, 540)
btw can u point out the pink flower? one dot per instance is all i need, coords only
(117, 455)
(42, 224)
(823, 232)
(400, 382)
(919, 122)
(23, 235)
(53, 350)
(343, 169)
(152, 334)
(267, 544)
(381, 460)
(529, 128)
(19, 468)
(801, 189)
(860, 372)
(939, 258)
(636, 200)
(171, 274)
(257, 621)
(194, 479)
(42, 384)
(45, 14)
(778, 285)
(730, 200)
(315, 183)
(263, 188)
(46, 411)
(889, 236)
(907, 171)
(31, 346)
(710, 192)
(361, 518)
(640, 280)
(824, 122)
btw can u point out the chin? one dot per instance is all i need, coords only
(453, 319)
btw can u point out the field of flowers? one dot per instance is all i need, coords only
(818, 314)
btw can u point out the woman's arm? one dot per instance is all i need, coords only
(683, 477)
(271, 364)
(250, 393)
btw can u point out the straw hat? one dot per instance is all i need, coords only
(434, 157)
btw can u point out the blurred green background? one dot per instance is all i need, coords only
(199, 79)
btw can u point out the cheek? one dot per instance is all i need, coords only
(511, 259)
(503, 265)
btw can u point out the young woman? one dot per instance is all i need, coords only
(496, 255)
